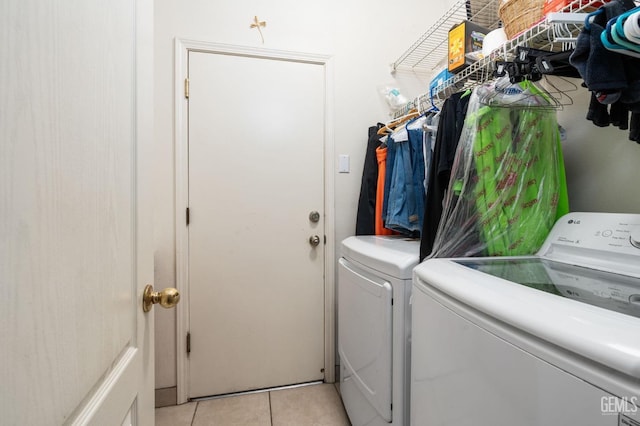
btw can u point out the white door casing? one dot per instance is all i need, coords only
(76, 116)
(276, 61)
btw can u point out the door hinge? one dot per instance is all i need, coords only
(186, 87)
(188, 342)
(187, 216)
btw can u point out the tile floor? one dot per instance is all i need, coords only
(314, 405)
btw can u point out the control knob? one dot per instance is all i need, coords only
(634, 238)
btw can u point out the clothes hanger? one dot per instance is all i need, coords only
(391, 125)
(507, 93)
(614, 39)
(421, 114)
(416, 122)
(557, 64)
(607, 42)
(400, 132)
(514, 80)
(631, 25)
(589, 19)
(606, 37)
(557, 93)
(433, 108)
(622, 41)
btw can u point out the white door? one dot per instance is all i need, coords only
(75, 240)
(256, 286)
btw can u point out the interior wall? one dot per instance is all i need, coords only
(363, 36)
(601, 162)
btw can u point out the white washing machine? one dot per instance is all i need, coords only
(551, 339)
(374, 286)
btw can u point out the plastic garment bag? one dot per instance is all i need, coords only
(507, 184)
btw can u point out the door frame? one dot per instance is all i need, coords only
(182, 48)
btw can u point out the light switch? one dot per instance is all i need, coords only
(343, 163)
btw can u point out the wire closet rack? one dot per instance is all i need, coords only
(428, 53)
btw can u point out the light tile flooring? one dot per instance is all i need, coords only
(314, 405)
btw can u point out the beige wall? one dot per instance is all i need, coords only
(602, 164)
(363, 36)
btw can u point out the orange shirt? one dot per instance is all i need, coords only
(381, 155)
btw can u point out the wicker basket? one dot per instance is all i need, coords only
(519, 15)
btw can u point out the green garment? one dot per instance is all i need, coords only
(521, 187)
(508, 184)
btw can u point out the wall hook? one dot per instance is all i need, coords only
(258, 24)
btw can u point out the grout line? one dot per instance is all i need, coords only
(270, 411)
(226, 395)
(193, 419)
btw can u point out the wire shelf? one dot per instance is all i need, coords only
(540, 36)
(430, 49)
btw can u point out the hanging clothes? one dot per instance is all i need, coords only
(450, 125)
(381, 155)
(416, 133)
(610, 74)
(405, 204)
(612, 77)
(390, 165)
(430, 129)
(507, 185)
(365, 218)
(634, 128)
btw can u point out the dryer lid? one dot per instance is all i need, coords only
(395, 256)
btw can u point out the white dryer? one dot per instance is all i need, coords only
(551, 339)
(374, 286)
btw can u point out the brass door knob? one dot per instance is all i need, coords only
(314, 240)
(167, 298)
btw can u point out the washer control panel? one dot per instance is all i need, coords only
(634, 238)
(604, 232)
